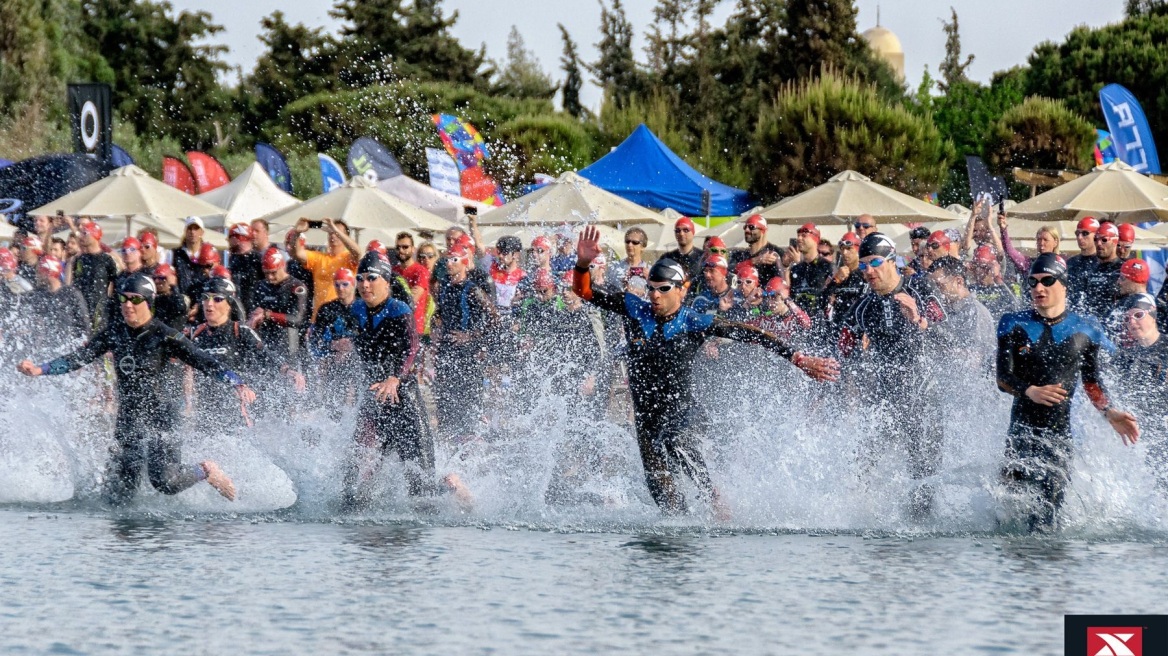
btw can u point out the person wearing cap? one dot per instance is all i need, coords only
(148, 402)
(1141, 380)
(506, 273)
(717, 296)
(30, 249)
(93, 272)
(968, 332)
(464, 319)
(1127, 238)
(201, 264)
(343, 253)
(888, 337)
(987, 284)
(171, 306)
(1042, 355)
(13, 288)
(686, 254)
(541, 253)
(918, 237)
(777, 314)
(1100, 282)
(281, 308)
(151, 255)
(846, 284)
(810, 274)
(1133, 279)
(183, 257)
(1079, 265)
(62, 320)
(243, 260)
(664, 338)
(765, 256)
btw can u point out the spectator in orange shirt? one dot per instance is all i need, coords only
(416, 275)
(343, 253)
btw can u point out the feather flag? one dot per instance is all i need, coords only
(209, 173)
(176, 174)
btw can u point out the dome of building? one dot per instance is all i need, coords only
(887, 46)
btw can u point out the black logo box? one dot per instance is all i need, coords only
(1155, 631)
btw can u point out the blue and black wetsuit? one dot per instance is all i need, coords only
(660, 359)
(148, 402)
(1033, 350)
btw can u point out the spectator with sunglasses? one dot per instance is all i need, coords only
(864, 225)
(664, 337)
(1100, 282)
(1042, 354)
(765, 256)
(148, 408)
(1079, 265)
(1141, 379)
(888, 337)
(686, 254)
(633, 265)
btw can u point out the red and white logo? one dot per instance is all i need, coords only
(1115, 641)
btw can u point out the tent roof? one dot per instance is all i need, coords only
(645, 171)
(361, 205)
(848, 195)
(249, 196)
(1115, 190)
(447, 206)
(128, 191)
(570, 199)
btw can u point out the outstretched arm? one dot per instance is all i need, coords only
(587, 249)
(90, 351)
(825, 369)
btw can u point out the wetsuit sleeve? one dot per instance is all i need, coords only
(185, 350)
(1008, 380)
(101, 344)
(1089, 369)
(598, 296)
(299, 314)
(741, 332)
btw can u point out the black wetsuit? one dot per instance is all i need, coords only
(387, 344)
(1101, 288)
(333, 321)
(1078, 266)
(1037, 351)
(808, 281)
(1142, 387)
(289, 306)
(765, 271)
(61, 318)
(236, 347)
(172, 309)
(184, 270)
(660, 358)
(692, 263)
(843, 295)
(246, 273)
(897, 379)
(92, 275)
(458, 380)
(147, 403)
(1162, 308)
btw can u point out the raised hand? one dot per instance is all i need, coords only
(588, 247)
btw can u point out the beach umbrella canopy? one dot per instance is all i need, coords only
(1023, 232)
(610, 237)
(570, 199)
(439, 203)
(848, 195)
(1114, 190)
(362, 205)
(128, 191)
(251, 195)
(169, 231)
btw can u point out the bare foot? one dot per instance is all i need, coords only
(453, 482)
(218, 480)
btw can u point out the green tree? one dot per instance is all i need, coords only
(521, 75)
(1041, 134)
(952, 69)
(1130, 53)
(667, 40)
(549, 143)
(615, 70)
(819, 127)
(573, 78)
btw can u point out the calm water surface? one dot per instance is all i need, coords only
(80, 582)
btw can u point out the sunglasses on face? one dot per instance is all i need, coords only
(1083, 233)
(863, 226)
(661, 289)
(750, 228)
(933, 245)
(676, 230)
(134, 299)
(632, 242)
(1103, 240)
(747, 281)
(368, 277)
(1137, 315)
(720, 251)
(425, 256)
(1045, 281)
(873, 263)
(129, 250)
(217, 298)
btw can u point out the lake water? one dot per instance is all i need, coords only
(818, 558)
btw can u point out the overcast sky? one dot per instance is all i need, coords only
(999, 33)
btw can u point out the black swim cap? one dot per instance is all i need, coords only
(1051, 264)
(1141, 301)
(219, 286)
(919, 232)
(373, 262)
(138, 283)
(667, 270)
(508, 244)
(877, 243)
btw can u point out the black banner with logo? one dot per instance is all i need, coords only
(1116, 635)
(92, 119)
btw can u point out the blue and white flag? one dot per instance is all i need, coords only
(331, 173)
(274, 163)
(370, 159)
(443, 171)
(1129, 129)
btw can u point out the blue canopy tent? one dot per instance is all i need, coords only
(643, 169)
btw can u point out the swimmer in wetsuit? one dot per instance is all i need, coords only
(1041, 354)
(663, 339)
(141, 346)
(1141, 368)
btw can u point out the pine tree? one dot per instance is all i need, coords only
(952, 69)
(573, 79)
(616, 69)
(521, 76)
(667, 40)
(819, 34)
